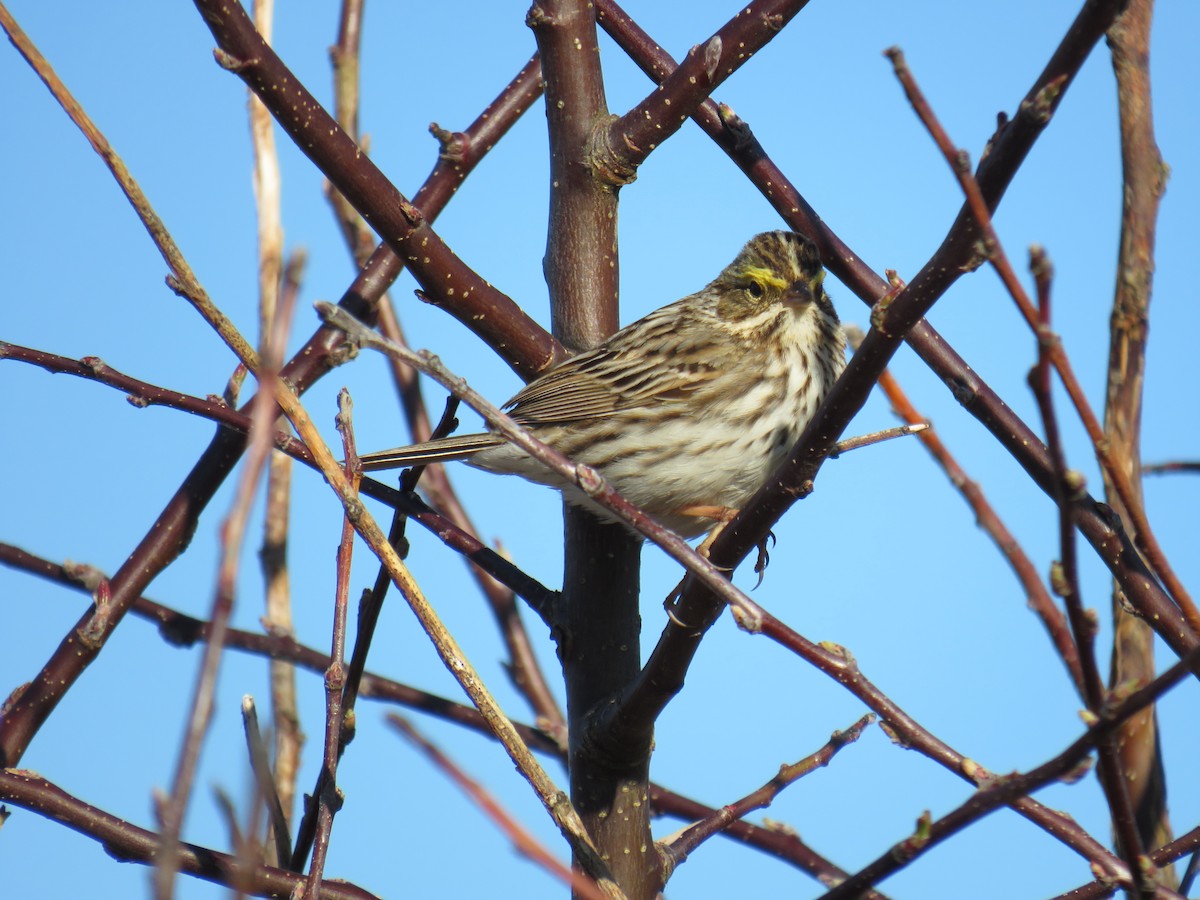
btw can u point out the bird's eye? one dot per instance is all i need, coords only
(755, 290)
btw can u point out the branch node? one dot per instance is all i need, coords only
(609, 165)
(712, 56)
(229, 62)
(452, 145)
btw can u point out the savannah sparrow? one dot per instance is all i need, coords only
(688, 410)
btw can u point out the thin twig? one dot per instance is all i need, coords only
(685, 843)
(1064, 578)
(878, 437)
(328, 798)
(260, 765)
(182, 280)
(1172, 466)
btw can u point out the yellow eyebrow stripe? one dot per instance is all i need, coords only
(764, 276)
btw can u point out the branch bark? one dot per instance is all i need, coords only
(598, 623)
(1145, 178)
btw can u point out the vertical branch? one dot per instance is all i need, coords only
(329, 799)
(1144, 182)
(1064, 578)
(171, 809)
(273, 555)
(598, 623)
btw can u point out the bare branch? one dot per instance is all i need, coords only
(999, 260)
(130, 843)
(997, 791)
(684, 844)
(516, 338)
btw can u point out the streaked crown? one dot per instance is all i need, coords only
(774, 267)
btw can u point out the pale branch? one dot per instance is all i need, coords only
(260, 765)
(523, 842)
(278, 281)
(277, 615)
(344, 59)
(171, 808)
(878, 437)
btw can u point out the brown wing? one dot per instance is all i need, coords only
(643, 365)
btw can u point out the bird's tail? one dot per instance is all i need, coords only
(442, 450)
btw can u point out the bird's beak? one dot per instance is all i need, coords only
(799, 295)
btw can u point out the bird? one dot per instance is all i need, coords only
(688, 410)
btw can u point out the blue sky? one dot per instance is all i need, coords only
(884, 558)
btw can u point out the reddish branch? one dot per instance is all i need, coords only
(628, 140)
(1115, 474)
(524, 842)
(1065, 576)
(449, 283)
(689, 839)
(985, 515)
(997, 791)
(328, 797)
